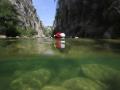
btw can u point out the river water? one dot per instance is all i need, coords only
(59, 64)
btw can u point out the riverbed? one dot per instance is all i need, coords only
(59, 64)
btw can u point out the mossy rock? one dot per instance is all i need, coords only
(83, 84)
(66, 73)
(53, 88)
(99, 72)
(33, 80)
(108, 76)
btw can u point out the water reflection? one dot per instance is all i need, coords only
(113, 46)
(60, 43)
(61, 46)
(16, 47)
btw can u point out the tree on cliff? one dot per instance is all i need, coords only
(8, 19)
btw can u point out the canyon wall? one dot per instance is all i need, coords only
(88, 18)
(27, 15)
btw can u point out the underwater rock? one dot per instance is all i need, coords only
(82, 84)
(33, 80)
(53, 88)
(99, 72)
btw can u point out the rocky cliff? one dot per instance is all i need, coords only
(88, 18)
(27, 15)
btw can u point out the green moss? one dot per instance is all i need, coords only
(53, 73)
(26, 32)
(9, 22)
(32, 80)
(53, 88)
(99, 72)
(82, 84)
(108, 76)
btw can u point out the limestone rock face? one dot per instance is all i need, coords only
(27, 15)
(88, 18)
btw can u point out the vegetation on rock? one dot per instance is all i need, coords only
(8, 19)
(48, 31)
(48, 73)
(13, 24)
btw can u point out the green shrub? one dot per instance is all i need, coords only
(8, 19)
(26, 32)
(9, 23)
(48, 31)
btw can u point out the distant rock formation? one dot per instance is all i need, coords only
(27, 15)
(88, 18)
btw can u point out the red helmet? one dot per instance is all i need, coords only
(59, 35)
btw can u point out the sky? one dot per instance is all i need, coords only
(45, 10)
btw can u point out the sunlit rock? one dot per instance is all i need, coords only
(69, 72)
(33, 80)
(53, 88)
(27, 16)
(2, 36)
(108, 76)
(76, 37)
(99, 72)
(82, 84)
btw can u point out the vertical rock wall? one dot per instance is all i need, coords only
(88, 18)
(27, 16)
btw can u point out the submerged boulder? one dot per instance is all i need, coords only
(83, 84)
(53, 88)
(33, 80)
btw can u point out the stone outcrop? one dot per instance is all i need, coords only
(88, 18)
(27, 16)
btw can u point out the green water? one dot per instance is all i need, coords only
(40, 64)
